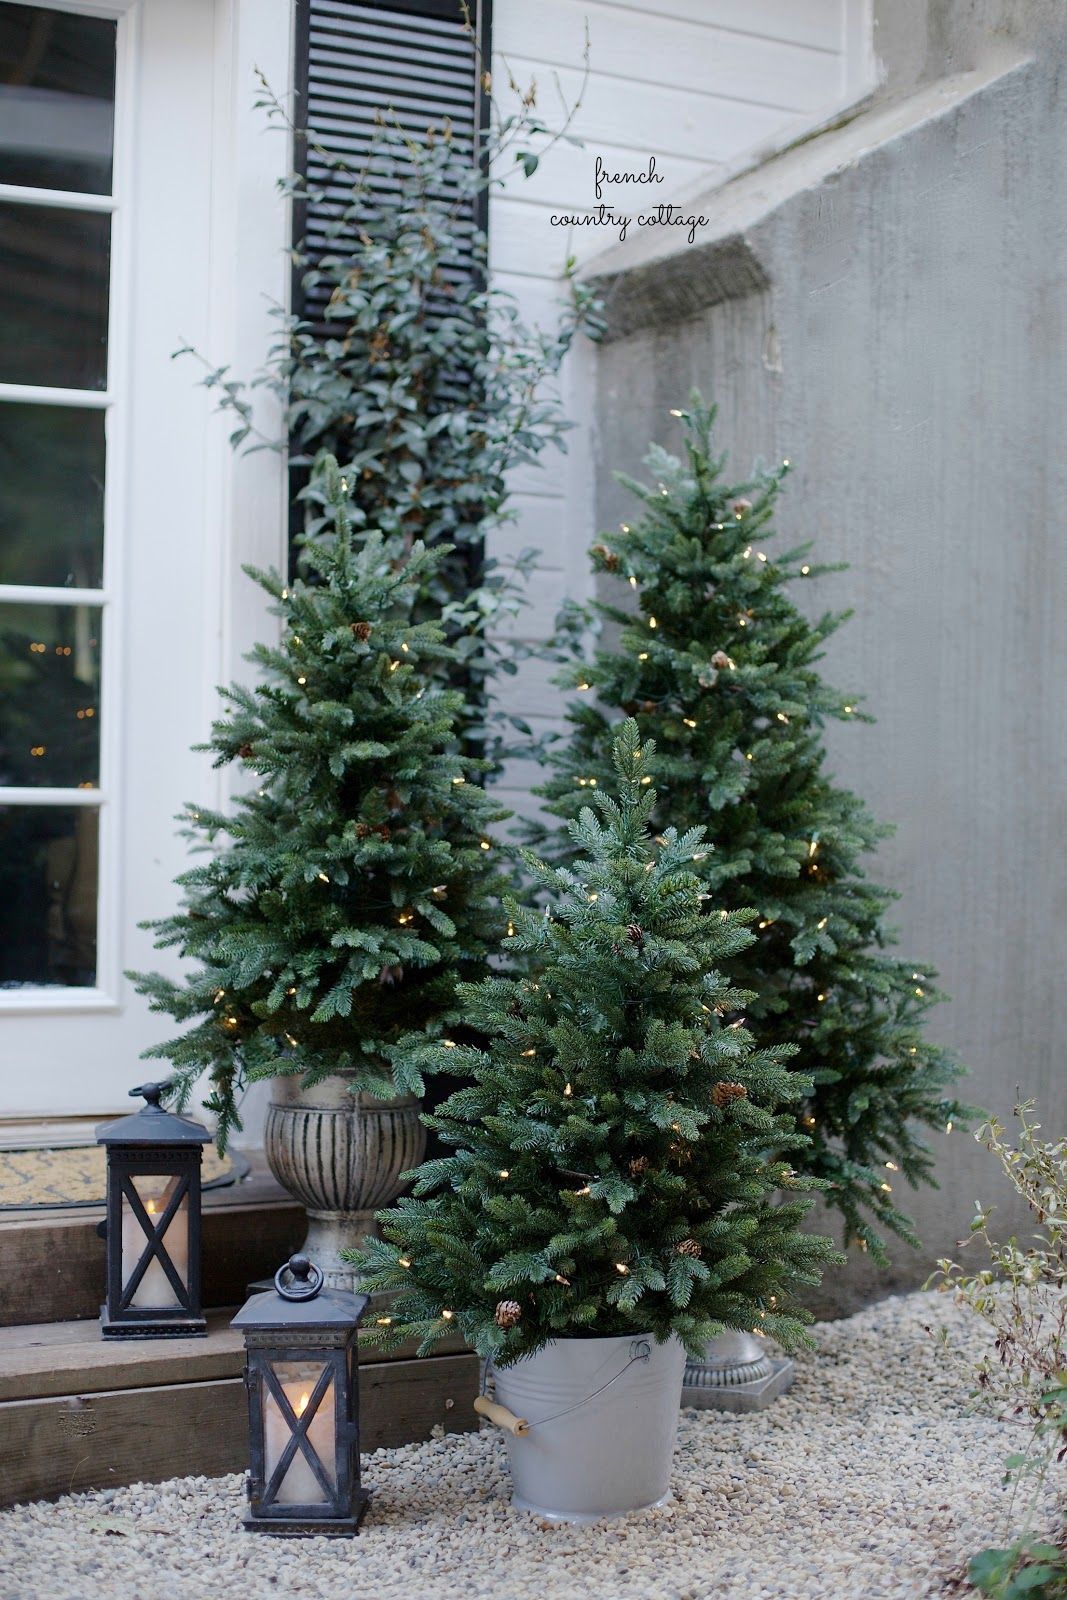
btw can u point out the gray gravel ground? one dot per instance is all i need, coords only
(869, 1481)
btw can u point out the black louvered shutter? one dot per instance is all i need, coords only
(411, 57)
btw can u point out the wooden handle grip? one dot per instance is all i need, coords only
(501, 1416)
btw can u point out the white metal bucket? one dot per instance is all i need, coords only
(612, 1452)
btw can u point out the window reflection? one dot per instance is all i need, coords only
(50, 696)
(51, 496)
(57, 99)
(54, 296)
(48, 885)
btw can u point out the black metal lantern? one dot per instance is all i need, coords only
(301, 1373)
(153, 1222)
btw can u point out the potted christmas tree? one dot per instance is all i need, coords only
(714, 658)
(612, 1199)
(346, 893)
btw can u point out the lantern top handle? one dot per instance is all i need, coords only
(305, 1279)
(152, 1092)
(151, 1124)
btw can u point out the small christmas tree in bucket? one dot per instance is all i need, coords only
(612, 1200)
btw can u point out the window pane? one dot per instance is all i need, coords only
(50, 696)
(300, 1486)
(51, 496)
(48, 878)
(53, 296)
(57, 99)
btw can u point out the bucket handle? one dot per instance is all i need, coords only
(640, 1351)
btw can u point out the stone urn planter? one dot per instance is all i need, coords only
(341, 1155)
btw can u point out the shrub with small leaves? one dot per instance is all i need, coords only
(1022, 1295)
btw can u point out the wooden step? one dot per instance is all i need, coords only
(78, 1413)
(52, 1262)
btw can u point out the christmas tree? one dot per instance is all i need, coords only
(612, 1167)
(711, 655)
(350, 890)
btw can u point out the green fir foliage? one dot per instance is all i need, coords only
(619, 1149)
(712, 655)
(344, 896)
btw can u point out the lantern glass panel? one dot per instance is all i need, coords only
(155, 1192)
(300, 1485)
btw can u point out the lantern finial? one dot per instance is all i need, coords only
(152, 1092)
(305, 1279)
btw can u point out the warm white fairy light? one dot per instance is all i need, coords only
(528, 1053)
(448, 1315)
(689, 722)
(891, 1166)
(385, 1322)
(633, 583)
(458, 781)
(581, 687)
(822, 924)
(449, 1044)
(404, 1262)
(323, 878)
(643, 655)
(567, 1089)
(622, 1269)
(485, 844)
(393, 665)
(781, 716)
(652, 622)
(503, 1173)
(406, 648)
(804, 571)
(301, 680)
(760, 555)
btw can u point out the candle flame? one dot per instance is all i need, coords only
(302, 1404)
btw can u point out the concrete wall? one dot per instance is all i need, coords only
(885, 306)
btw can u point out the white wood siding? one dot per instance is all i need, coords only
(705, 86)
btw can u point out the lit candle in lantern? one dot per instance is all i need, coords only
(300, 1486)
(155, 1288)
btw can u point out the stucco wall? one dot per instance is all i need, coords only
(907, 352)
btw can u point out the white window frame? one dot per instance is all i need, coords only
(103, 995)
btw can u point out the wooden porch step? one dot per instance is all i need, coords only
(52, 1262)
(78, 1413)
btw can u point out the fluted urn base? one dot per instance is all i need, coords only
(736, 1373)
(341, 1155)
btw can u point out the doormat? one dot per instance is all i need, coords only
(38, 1179)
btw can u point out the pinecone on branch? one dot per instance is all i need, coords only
(638, 1165)
(361, 630)
(723, 1093)
(508, 1314)
(689, 1247)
